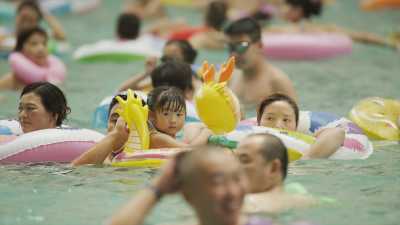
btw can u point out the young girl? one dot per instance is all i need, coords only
(279, 111)
(167, 117)
(30, 62)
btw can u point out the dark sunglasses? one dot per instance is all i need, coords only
(239, 47)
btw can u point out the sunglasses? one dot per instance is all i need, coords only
(239, 47)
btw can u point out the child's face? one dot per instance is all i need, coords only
(169, 122)
(35, 48)
(279, 114)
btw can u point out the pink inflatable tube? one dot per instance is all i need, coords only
(48, 145)
(307, 46)
(28, 72)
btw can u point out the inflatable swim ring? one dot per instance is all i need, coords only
(371, 5)
(100, 116)
(10, 127)
(379, 118)
(120, 51)
(356, 146)
(47, 145)
(307, 46)
(146, 158)
(186, 33)
(216, 105)
(28, 72)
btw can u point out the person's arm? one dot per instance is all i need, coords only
(160, 140)
(99, 152)
(328, 141)
(55, 26)
(140, 81)
(136, 210)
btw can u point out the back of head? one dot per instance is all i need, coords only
(309, 7)
(53, 99)
(245, 26)
(128, 26)
(271, 148)
(189, 53)
(166, 98)
(173, 73)
(24, 35)
(216, 14)
(32, 4)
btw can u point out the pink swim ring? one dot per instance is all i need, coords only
(28, 72)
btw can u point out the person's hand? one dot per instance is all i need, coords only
(167, 182)
(150, 65)
(120, 132)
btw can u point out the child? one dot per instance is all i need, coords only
(167, 117)
(280, 111)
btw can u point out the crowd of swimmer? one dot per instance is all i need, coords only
(251, 179)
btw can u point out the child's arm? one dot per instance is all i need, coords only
(58, 31)
(113, 141)
(160, 140)
(328, 141)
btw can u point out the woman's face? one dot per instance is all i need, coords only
(35, 48)
(27, 18)
(173, 51)
(33, 115)
(279, 114)
(293, 14)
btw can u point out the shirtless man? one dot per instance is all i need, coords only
(265, 162)
(258, 79)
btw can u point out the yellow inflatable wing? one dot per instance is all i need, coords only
(216, 104)
(378, 118)
(135, 113)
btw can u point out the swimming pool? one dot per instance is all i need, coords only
(367, 191)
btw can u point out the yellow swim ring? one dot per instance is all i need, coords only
(378, 118)
(216, 105)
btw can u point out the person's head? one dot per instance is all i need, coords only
(112, 114)
(213, 183)
(244, 42)
(179, 50)
(265, 161)
(278, 111)
(33, 44)
(128, 26)
(173, 73)
(167, 109)
(42, 105)
(216, 14)
(28, 15)
(302, 9)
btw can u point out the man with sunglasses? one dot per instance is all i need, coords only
(258, 79)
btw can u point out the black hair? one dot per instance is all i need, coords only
(173, 73)
(53, 99)
(275, 98)
(272, 148)
(166, 98)
(23, 37)
(114, 101)
(245, 26)
(216, 14)
(128, 26)
(189, 53)
(310, 7)
(30, 4)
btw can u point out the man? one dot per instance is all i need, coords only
(209, 179)
(258, 79)
(265, 161)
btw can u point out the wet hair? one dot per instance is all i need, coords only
(52, 98)
(173, 73)
(114, 101)
(272, 148)
(216, 14)
(128, 26)
(189, 53)
(245, 26)
(30, 4)
(23, 37)
(275, 98)
(310, 7)
(166, 99)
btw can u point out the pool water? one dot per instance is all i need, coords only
(366, 191)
